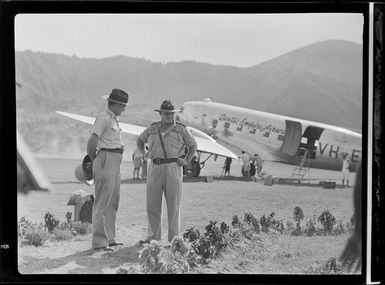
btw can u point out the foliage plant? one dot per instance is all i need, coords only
(252, 220)
(36, 235)
(50, 222)
(310, 227)
(340, 229)
(327, 220)
(151, 258)
(236, 222)
(298, 216)
(191, 234)
(217, 237)
(22, 226)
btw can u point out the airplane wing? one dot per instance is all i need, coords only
(205, 143)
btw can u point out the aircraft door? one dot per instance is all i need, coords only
(312, 134)
(292, 139)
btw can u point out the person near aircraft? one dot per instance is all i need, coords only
(345, 169)
(246, 162)
(137, 163)
(105, 148)
(227, 165)
(167, 141)
(258, 162)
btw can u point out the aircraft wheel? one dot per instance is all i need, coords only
(193, 169)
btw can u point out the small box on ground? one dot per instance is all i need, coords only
(328, 184)
(209, 179)
(268, 181)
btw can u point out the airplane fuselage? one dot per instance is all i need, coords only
(272, 136)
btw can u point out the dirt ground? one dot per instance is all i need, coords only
(201, 202)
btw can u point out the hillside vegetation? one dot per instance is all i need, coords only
(320, 82)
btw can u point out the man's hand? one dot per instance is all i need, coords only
(352, 253)
(182, 162)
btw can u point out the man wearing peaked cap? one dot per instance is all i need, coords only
(167, 142)
(105, 148)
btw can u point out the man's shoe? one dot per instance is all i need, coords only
(104, 248)
(115, 243)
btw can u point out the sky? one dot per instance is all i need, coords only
(241, 40)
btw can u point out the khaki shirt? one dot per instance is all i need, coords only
(175, 138)
(106, 127)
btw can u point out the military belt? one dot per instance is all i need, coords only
(159, 161)
(116, 150)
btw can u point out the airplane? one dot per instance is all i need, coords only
(274, 137)
(220, 128)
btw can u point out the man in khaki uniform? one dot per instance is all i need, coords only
(105, 147)
(167, 141)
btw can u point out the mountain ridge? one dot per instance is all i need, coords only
(319, 82)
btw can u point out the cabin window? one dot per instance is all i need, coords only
(215, 123)
(266, 135)
(227, 125)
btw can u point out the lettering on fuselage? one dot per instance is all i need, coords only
(252, 126)
(334, 151)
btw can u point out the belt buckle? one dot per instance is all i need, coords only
(157, 161)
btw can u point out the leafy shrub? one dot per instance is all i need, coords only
(36, 236)
(191, 234)
(82, 227)
(22, 226)
(65, 234)
(50, 222)
(265, 223)
(225, 228)
(340, 229)
(310, 227)
(274, 223)
(236, 223)
(176, 264)
(251, 220)
(218, 239)
(204, 248)
(327, 220)
(151, 258)
(298, 216)
(178, 245)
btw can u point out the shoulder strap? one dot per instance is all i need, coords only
(162, 143)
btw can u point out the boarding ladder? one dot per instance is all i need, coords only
(303, 166)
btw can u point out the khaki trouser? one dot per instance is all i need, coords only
(106, 169)
(167, 179)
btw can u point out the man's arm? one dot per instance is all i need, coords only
(140, 145)
(190, 153)
(91, 146)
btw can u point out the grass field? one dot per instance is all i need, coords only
(201, 202)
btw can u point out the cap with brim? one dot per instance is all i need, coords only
(117, 96)
(167, 106)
